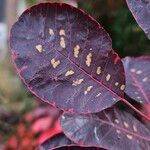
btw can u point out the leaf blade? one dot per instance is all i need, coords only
(110, 129)
(61, 142)
(140, 11)
(66, 56)
(137, 78)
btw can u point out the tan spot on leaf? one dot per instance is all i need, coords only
(108, 77)
(114, 99)
(98, 71)
(88, 90)
(118, 131)
(98, 94)
(76, 51)
(116, 120)
(88, 59)
(136, 93)
(39, 48)
(141, 101)
(77, 82)
(62, 32)
(132, 70)
(139, 72)
(145, 79)
(51, 32)
(134, 128)
(126, 124)
(122, 87)
(130, 137)
(62, 42)
(116, 84)
(138, 97)
(55, 63)
(69, 73)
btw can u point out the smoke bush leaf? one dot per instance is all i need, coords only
(141, 12)
(111, 129)
(66, 58)
(137, 72)
(61, 142)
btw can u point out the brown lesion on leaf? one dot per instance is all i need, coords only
(118, 131)
(69, 73)
(51, 32)
(62, 32)
(139, 72)
(55, 62)
(88, 90)
(88, 59)
(62, 42)
(144, 79)
(126, 124)
(116, 84)
(99, 94)
(62, 39)
(77, 82)
(108, 77)
(122, 87)
(114, 99)
(117, 121)
(133, 70)
(134, 128)
(39, 48)
(130, 137)
(98, 71)
(76, 51)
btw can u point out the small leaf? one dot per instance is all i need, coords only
(141, 12)
(137, 72)
(61, 142)
(111, 129)
(66, 59)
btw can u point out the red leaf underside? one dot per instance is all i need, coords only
(141, 12)
(137, 73)
(111, 129)
(66, 59)
(61, 142)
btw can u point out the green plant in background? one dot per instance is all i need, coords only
(128, 38)
(31, 2)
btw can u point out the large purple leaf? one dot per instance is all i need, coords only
(137, 72)
(66, 59)
(61, 142)
(141, 12)
(111, 129)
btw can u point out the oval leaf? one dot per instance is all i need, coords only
(137, 73)
(141, 12)
(111, 129)
(61, 142)
(66, 59)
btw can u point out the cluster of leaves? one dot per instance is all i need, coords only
(66, 59)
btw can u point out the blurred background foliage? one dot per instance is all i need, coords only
(15, 100)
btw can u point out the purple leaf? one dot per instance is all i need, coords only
(111, 129)
(61, 142)
(66, 59)
(137, 72)
(141, 12)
